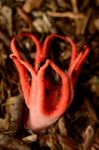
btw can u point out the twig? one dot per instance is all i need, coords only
(66, 14)
(84, 4)
(25, 17)
(74, 6)
(86, 20)
(75, 10)
(82, 23)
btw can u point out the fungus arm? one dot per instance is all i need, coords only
(24, 80)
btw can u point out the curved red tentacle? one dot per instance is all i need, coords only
(65, 38)
(34, 39)
(39, 55)
(76, 66)
(24, 80)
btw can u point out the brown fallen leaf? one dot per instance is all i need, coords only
(88, 138)
(7, 14)
(12, 122)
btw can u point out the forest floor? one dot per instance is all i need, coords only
(78, 128)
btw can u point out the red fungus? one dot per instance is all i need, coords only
(45, 110)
